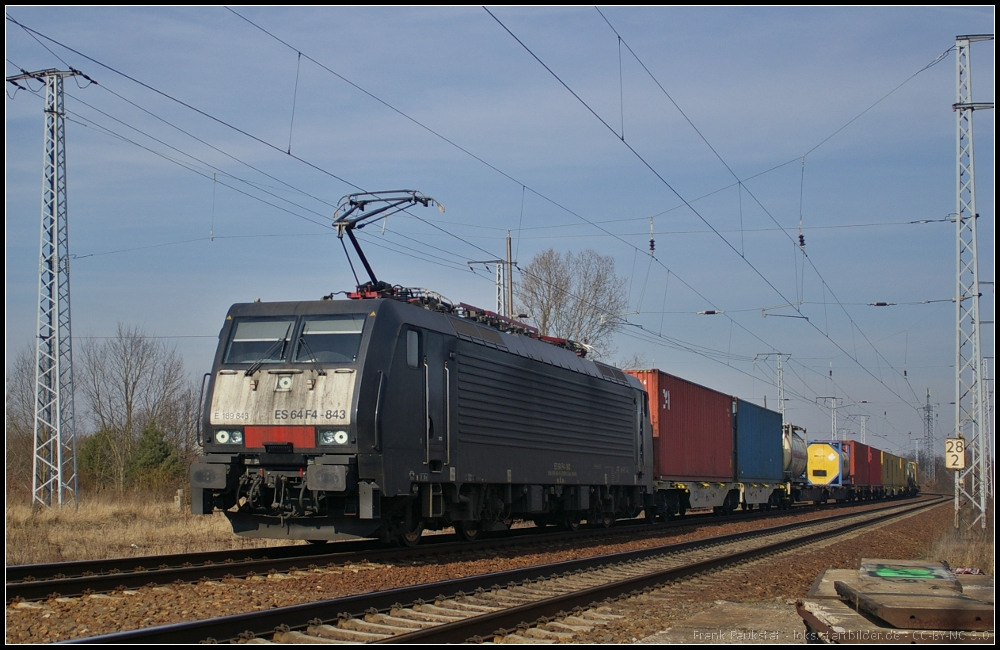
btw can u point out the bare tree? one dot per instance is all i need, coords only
(635, 361)
(574, 296)
(129, 381)
(20, 420)
(179, 419)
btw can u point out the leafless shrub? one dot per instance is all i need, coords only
(20, 421)
(967, 548)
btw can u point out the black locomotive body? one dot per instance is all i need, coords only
(359, 418)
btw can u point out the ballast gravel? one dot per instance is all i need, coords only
(60, 619)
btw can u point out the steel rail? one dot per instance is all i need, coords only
(506, 621)
(32, 582)
(248, 624)
(38, 581)
(48, 571)
(132, 573)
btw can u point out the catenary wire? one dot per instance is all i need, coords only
(609, 233)
(293, 48)
(688, 204)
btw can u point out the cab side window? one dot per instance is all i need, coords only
(412, 348)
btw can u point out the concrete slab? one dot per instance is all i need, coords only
(979, 587)
(835, 622)
(887, 599)
(772, 621)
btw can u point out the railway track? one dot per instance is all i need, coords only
(480, 606)
(67, 579)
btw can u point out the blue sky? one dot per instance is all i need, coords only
(447, 102)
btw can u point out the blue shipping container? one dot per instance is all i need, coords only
(759, 456)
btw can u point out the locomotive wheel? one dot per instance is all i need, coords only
(571, 523)
(605, 520)
(411, 537)
(468, 530)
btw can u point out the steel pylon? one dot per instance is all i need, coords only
(970, 411)
(54, 480)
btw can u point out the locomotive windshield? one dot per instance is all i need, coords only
(260, 341)
(330, 339)
(321, 339)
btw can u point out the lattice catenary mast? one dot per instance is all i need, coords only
(54, 480)
(927, 467)
(970, 412)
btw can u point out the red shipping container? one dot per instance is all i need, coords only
(866, 464)
(860, 462)
(874, 466)
(692, 428)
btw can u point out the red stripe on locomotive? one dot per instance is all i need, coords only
(300, 437)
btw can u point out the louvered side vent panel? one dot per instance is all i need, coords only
(544, 408)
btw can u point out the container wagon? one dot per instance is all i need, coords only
(693, 453)
(759, 455)
(828, 472)
(794, 456)
(893, 474)
(912, 479)
(866, 471)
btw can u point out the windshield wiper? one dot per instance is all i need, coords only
(266, 356)
(313, 359)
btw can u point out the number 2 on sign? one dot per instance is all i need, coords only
(954, 453)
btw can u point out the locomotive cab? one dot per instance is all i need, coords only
(278, 426)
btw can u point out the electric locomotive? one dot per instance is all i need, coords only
(396, 411)
(380, 417)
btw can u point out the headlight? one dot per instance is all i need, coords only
(333, 437)
(229, 437)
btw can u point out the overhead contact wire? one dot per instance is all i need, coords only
(475, 157)
(680, 197)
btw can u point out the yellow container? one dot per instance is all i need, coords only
(826, 464)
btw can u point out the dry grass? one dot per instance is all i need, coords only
(114, 526)
(967, 548)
